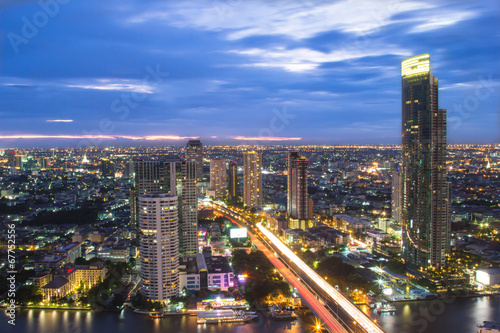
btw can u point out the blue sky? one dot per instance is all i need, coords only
(301, 72)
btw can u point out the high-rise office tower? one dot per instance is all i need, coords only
(396, 187)
(129, 170)
(252, 179)
(297, 198)
(11, 158)
(194, 152)
(107, 168)
(218, 177)
(232, 184)
(159, 246)
(177, 178)
(425, 202)
(133, 208)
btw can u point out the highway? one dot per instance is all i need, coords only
(326, 317)
(321, 312)
(350, 315)
(356, 314)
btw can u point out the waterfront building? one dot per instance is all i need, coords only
(425, 201)
(178, 178)
(159, 246)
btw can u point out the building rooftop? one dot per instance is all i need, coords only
(490, 270)
(57, 283)
(218, 264)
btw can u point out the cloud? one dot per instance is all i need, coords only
(304, 59)
(132, 85)
(295, 20)
(59, 120)
(263, 138)
(63, 136)
(108, 84)
(168, 137)
(102, 137)
(231, 62)
(434, 22)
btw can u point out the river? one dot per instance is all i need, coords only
(460, 315)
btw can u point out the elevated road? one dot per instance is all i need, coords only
(319, 310)
(353, 319)
(358, 317)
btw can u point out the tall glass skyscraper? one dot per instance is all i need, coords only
(194, 152)
(252, 179)
(297, 198)
(232, 185)
(396, 188)
(425, 192)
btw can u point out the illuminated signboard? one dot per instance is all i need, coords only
(238, 233)
(483, 277)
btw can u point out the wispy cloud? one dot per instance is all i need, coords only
(59, 120)
(43, 136)
(102, 137)
(106, 85)
(438, 21)
(304, 59)
(263, 138)
(295, 20)
(132, 85)
(168, 137)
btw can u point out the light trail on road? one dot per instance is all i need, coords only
(343, 302)
(319, 309)
(326, 317)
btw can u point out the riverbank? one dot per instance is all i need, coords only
(127, 321)
(18, 307)
(443, 297)
(165, 314)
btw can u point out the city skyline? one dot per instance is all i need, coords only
(333, 82)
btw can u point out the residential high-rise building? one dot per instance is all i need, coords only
(396, 187)
(159, 246)
(252, 179)
(218, 178)
(297, 197)
(177, 178)
(425, 202)
(232, 184)
(194, 152)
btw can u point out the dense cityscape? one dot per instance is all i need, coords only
(73, 212)
(249, 166)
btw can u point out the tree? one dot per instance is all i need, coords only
(81, 261)
(26, 294)
(118, 300)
